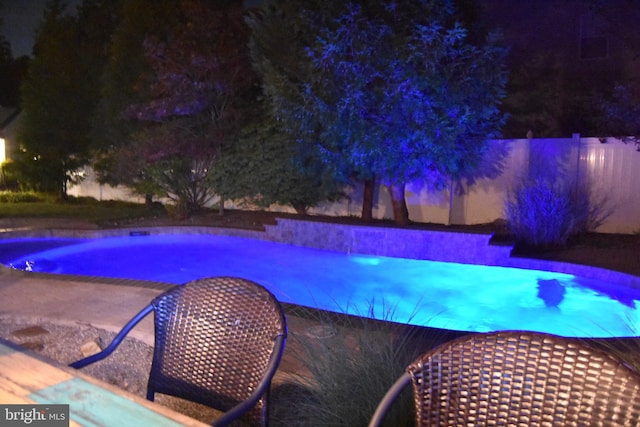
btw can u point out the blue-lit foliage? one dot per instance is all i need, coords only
(547, 206)
(545, 212)
(539, 212)
(393, 91)
(419, 101)
(620, 114)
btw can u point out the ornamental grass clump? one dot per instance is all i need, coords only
(348, 364)
(539, 213)
(626, 348)
(20, 197)
(545, 212)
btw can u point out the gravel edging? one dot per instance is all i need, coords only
(126, 368)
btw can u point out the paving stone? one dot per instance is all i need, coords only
(29, 331)
(33, 345)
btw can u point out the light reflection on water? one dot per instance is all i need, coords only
(427, 293)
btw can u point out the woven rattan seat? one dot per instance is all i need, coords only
(218, 342)
(516, 378)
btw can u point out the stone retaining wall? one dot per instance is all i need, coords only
(447, 246)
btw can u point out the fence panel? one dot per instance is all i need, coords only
(611, 170)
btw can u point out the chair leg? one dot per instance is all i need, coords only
(388, 399)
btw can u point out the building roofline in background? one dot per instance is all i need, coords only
(7, 115)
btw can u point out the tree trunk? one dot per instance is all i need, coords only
(399, 204)
(301, 209)
(367, 200)
(62, 193)
(221, 206)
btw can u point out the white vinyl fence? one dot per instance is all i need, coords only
(611, 170)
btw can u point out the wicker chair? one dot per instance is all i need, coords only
(518, 378)
(218, 342)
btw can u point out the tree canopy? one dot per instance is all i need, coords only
(193, 99)
(59, 96)
(619, 115)
(388, 91)
(48, 152)
(12, 71)
(265, 166)
(123, 81)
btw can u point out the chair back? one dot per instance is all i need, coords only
(520, 378)
(216, 340)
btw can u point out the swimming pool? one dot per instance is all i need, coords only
(446, 295)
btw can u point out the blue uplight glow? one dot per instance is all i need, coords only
(436, 294)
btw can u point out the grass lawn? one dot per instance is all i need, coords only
(86, 209)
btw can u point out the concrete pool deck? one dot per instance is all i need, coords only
(70, 302)
(108, 304)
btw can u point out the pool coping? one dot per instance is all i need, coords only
(430, 245)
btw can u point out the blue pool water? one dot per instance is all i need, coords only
(437, 294)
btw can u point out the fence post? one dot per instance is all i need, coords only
(576, 139)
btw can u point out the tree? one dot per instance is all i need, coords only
(389, 91)
(5, 46)
(60, 94)
(12, 72)
(122, 84)
(533, 98)
(52, 141)
(196, 99)
(280, 33)
(265, 166)
(619, 114)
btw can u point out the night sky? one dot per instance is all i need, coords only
(21, 17)
(19, 21)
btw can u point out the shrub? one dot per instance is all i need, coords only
(591, 209)
(347, 367)
(20, 197)
(347, 376)
(178, 211)
(542, 212)
(81, 200)
(626, 348)
(539, 213)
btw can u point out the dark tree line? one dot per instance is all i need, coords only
(60, 92)
(289, 103)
